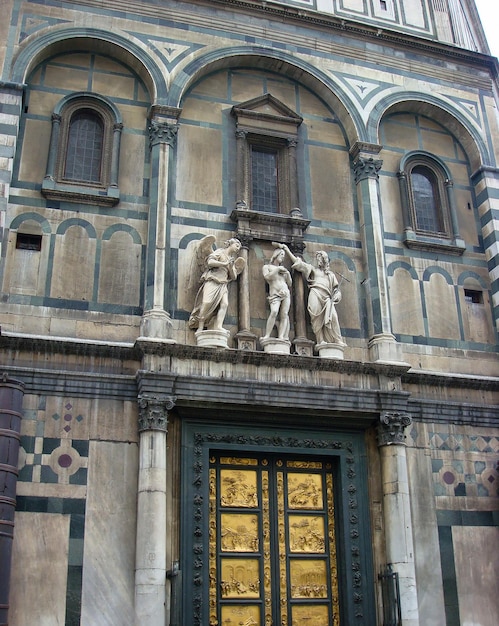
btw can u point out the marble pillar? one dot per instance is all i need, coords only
(397, 510)
(150, 560)
(156, 322)
(382, 344)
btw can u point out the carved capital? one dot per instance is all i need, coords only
(366, 168)
(153, 411)
(162, 132)
(241, 134)
(391, 428)
(245, 240)
(56, 118)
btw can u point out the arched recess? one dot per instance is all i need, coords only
(439, 111)
(75, 249)
(121, 266)
(279, 62)
(37, 49)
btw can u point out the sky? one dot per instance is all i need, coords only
(489, 15)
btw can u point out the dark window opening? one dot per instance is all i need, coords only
(383, 5)
(264, 180)
(473, 297)
(85, 146)
(428, 214)
(28, 242)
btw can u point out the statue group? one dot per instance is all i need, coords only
(220, 266)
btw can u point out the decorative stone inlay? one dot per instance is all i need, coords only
(153, 411)
(391, 426)
(162, 132)
(366, 168)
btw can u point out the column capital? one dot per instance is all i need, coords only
(162, 132)
(391, 426)
(366, 167)
(153, 411)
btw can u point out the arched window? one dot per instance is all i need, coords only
(427, 196)
(83, 158)
(426, 200)
(85, 147)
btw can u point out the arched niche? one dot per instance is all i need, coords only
(35, 50)
(439, 111)
(321, 84)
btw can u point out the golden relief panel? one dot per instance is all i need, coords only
(308, 578)
(239, 615)
(239, 532)
(240, 578)
(305, 491)
(232, 460)
(306, 534)
(310, 616)
(238, 488)
(304, 464)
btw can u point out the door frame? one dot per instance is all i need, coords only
(345, 449)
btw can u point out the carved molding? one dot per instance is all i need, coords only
(153, 412)
(251, 225)
(391, 426)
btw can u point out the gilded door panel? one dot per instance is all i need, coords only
(272, 542)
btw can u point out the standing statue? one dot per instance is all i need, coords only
(324, 293)
(221, 266)
(279, 281)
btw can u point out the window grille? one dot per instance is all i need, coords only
(392, 615)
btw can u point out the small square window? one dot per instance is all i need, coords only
(29, 242)
(473, 297)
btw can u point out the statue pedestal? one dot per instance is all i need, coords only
(212, 338)
(273, 345)
(331, 350)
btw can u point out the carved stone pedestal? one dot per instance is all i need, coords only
(331, 350)
(156, 325)
(212, 338)
(273, 345)
(384, 348)
(246, 340)
(303, 346)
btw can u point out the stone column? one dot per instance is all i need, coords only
(397, 510)
(246, 340)
(303, 346)
(11, 398)
(117, 131)
(292, 143)
(156, 321)
(150, 560)
(382, 343)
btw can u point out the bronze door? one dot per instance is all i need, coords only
(272, 542)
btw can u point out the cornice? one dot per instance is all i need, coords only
(133, 354)
(374, 32)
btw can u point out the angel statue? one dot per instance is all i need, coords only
(220, 267)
